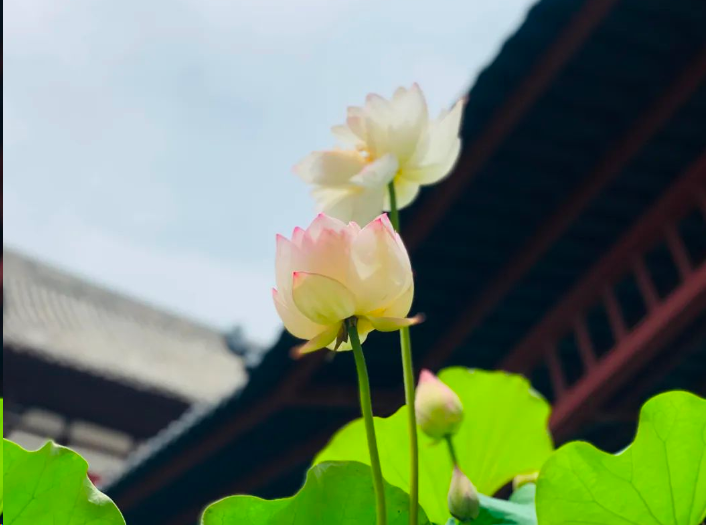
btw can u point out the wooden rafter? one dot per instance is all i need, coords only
(221, 437)
(250, 482)
(569, 41)
(622, 362)
(74, 392)
(633, 348)
(345, 396)
(629, 399)
(674, 97)
(646, 231)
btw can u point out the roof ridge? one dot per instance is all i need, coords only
(53, 277)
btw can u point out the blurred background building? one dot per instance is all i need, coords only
(568, 245)
(99, 371)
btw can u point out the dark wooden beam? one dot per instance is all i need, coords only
(584, 343)
(631, 355)
(678, 251)
(675, 204)
(556, 374)
(615, 315)
(72, 393)
(344, 396)
(278, 466)
(645, 284)
(632, 395)
(475, 155)
(610, 166)
(223, 436)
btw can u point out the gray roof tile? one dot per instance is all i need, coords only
(62, 318)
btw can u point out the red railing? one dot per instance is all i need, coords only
(634, 345)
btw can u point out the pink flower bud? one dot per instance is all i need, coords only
(463, 500)
(438, 408)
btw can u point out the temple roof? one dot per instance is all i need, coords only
(58, 317)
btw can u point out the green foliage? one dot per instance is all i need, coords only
(659, 480)
(334, 493)
(51, 487)
(504, 433)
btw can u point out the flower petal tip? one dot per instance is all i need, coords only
(299, 351)
(426, 376)
(296, 352)
(418, 319)
(381, 221)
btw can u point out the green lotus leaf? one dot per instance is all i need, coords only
(518, 511)
(660, 479)
(503, 434)
(51, 487)
(334, 493)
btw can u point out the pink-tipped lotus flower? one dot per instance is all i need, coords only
(439, 409)
(334, 271)
(389, 140)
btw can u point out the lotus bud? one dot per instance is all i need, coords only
(524, 479)
(438, 408)
(463, 500)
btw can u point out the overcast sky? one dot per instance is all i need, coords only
(148, 145)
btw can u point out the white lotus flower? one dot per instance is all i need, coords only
(334, 271)
(391, 140)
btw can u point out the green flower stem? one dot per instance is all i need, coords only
(394, 212)
(452, 450)
(408, 373)
(366, 408)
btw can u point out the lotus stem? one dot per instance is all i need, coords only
(366, 408)
(408, 374)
